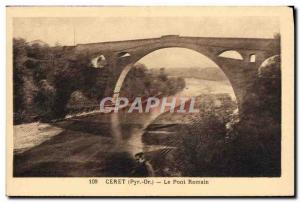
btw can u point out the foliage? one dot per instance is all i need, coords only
(18, 60)
(45, 77)
(257, 148)
(249, 147)
(141, 82)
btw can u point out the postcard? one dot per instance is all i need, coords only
(150, 101)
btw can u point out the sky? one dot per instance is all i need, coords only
(70, 31)
(89, 30)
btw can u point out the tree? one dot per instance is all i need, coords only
(19, 57)
(45, 100)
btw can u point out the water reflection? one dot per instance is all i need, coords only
(127, 130)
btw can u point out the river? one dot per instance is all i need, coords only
(134, 144)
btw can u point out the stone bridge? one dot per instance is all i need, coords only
(119, 56)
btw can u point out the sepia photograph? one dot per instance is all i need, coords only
(144, 98)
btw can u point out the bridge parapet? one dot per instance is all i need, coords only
(170, 37)
(271, 46)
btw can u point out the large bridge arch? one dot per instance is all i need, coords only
(145, 53)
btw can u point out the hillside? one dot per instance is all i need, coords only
(207, 73)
